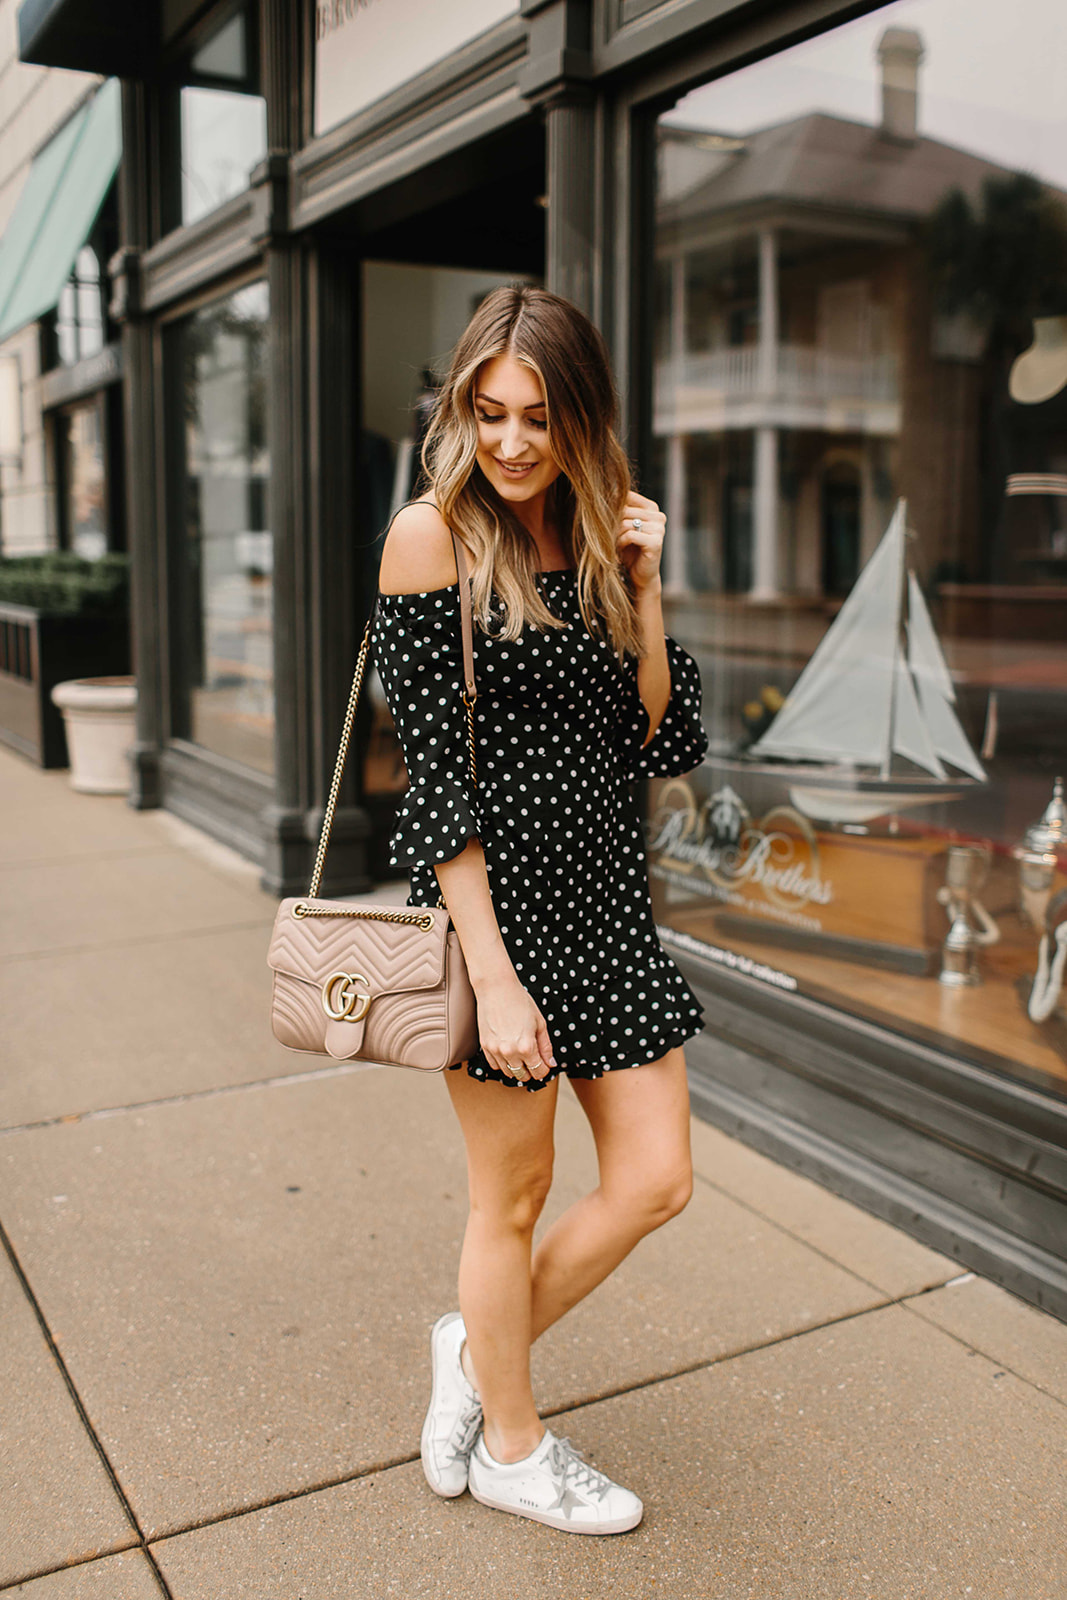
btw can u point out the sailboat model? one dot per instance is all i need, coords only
(876, 688)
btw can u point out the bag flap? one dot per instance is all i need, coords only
(391, 956)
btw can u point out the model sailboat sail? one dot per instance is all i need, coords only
(863, 698)
(936, 693)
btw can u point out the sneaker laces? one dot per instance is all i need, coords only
(466, 1431)
(568, 1461)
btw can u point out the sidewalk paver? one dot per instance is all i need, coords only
(112, 1027)
(718, 1279)
(100, 900)
(44, 819)
(57, 1503)
(239, 1251)
(874, 1250)
(252, 1319)
(1011, 1333)
(125, 1577)
(872, 1459)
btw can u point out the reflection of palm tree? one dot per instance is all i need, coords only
(1003, 262)
(1006, 261)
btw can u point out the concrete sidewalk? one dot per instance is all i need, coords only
(221, 1263)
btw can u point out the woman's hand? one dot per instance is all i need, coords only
(512, 1032)
(641, 547)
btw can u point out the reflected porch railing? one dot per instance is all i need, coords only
(792, 372)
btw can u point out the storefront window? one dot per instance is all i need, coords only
(223, 627)
(223, 121)
(860, 437)
(85, 478)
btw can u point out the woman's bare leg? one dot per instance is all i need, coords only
(640, 1122)
(508, 1134)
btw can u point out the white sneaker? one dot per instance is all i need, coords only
(455, 1413)
(553, 1485)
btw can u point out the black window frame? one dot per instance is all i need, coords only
(175, 74)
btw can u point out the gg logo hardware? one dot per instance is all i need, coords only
(341, 996)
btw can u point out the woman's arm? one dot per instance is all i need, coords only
(640, 550)
(418, 556)
(653, 670)
(511, 1030)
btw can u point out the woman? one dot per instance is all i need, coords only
(542, 865)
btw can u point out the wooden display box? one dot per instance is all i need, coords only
(37, 651)
(780, 880)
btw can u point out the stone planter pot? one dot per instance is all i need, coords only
(99, 716)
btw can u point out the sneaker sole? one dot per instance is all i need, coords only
(427, 1466)
(619, 1525)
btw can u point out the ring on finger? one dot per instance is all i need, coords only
(636, 524)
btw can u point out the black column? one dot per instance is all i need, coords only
(284, 822)
(556, 77)
(342, 566)
(313, 434)
(142, 465)
(570, 264)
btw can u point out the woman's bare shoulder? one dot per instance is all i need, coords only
(418, 553)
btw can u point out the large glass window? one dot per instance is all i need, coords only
(223, 640)
(223, 120)
(860, 437)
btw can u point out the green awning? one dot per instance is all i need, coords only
(55, 212)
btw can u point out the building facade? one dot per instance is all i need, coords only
(60, 416)
(829, 253)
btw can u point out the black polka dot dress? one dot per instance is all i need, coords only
(558, 730)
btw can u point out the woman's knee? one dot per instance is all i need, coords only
(659, 1196)
(516, 1204)
(678, 1193)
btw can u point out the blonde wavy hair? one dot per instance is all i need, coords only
(566, 352)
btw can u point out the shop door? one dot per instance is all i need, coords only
(422, 279)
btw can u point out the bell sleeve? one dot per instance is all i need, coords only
(679, 743)
(419, 656)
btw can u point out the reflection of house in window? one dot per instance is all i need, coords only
(794, 326)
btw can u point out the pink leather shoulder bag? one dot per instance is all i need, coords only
(375, 983)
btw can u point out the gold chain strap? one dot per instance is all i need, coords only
(339, 766)
(301, 910)
(469, 703)
(419, 919)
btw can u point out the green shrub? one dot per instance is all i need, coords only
(67, 585)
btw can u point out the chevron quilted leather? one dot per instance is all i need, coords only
(422, 1010)
(391, 955)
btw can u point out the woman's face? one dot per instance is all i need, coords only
(513, 447)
